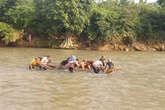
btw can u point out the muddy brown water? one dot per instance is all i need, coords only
(139, 85)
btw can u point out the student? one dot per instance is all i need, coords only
(71, 67)
(45, 60)
(110, 67)
(86, 64)
(34, 63)
(89, 64)
(102, 58)
(97, 66)
(64, 63)
(72, 59)
(82, 64)
(74, 65)
(110, 64)
(45, 63)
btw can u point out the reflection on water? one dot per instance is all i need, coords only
(139, 85)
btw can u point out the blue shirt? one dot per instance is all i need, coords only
(72, 59)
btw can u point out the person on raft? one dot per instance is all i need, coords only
(34, 63)
(89, 64)
(45, 63)
(63, 64)
(97, 66)
(41, 62)
(102, 59)
(85, 65)
(110, 67)
(82, 65)
(72, 59)
(73, 63)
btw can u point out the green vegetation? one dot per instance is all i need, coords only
(84, 19)
(8, 33)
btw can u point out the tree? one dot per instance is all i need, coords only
(113, 19)
(21, 14)
(8, 33)
(102, 24)
(152, 23)
(65, 17)
(4, 7)
(161, 2)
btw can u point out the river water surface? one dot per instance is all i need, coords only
(139, 85)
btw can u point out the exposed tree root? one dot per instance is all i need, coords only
(67, 43)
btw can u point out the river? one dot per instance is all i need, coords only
(138, 85)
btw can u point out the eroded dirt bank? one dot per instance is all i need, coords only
(108, 46)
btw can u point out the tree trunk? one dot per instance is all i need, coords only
(30, 38)
(67, 43)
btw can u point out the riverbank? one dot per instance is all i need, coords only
(136, 46)
(108, 46)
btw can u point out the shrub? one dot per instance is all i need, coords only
(8, 33)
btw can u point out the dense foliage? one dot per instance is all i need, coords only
(95, 21)
(8, 33)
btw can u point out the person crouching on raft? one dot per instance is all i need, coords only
(89, 64)
(82, 65)
(45, 63)
(34, 63)
(110, 67)
(72, 63)
(63, 64)
(85, 65)
(97, 66)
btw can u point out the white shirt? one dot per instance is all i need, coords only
(98, 63)
(44, 60)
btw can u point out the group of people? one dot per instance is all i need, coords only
(41, 62)
(73, 63)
